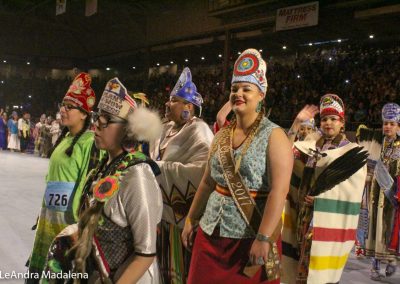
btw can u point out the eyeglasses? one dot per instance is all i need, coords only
(102, 121)
(67, 107)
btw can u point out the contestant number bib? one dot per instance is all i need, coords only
(58, 194)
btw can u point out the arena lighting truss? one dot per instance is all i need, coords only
(340, 40)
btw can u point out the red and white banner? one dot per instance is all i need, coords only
(61, 7)
(299, 16)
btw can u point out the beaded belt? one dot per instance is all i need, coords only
(253, 193)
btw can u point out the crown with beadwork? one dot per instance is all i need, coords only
(116, 100)
(391, 112)
(250, 67)
(143, 124)
(331, 104)
(81, 93)
(186, 89)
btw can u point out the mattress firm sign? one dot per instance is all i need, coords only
(299, 16)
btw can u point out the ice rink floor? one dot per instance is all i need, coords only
(22, 184)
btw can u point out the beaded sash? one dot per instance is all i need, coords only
(246, 204)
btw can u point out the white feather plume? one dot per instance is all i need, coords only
(144, 125)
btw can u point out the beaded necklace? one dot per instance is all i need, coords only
(249, 138)
(388, 146)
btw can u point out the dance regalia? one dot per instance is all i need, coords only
(363, 221)
(3, 134)
(182, 158)
(37, 136)
(24, 130)
(127, 224)
(317, 239)
(223, 241)
(371, 140)
(13, 142)
(65, 181)
(382, 242)
(65, 178)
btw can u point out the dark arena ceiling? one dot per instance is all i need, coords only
(149, 31)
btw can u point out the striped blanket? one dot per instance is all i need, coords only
(335, 220)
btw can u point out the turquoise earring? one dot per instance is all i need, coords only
(185, 115)
(259, 106)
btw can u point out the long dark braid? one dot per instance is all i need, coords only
(76, 138)
(88, 223)
(58, 141)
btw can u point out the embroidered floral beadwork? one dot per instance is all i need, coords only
(106, 188)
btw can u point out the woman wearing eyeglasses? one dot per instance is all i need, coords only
(122, 204)
(69, 163)
(181, 153)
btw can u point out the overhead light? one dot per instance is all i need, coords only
(2, 81)
(371, 36)
(158, 64)
(260, 50)
(186, 60)
(15, 106)
(108, 68)
(219, 55)
(310, 44)
(217, 83)
(133, 67)
(30, 96)
(172, 62)
(28, 63)
(284, 47)
(330, 58)
(298, 76)
(347, 81)
(339, 40)
(4, 61)
(202, 58)
(239, 53)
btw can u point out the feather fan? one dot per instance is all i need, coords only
(371, 140)
(339, 170)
